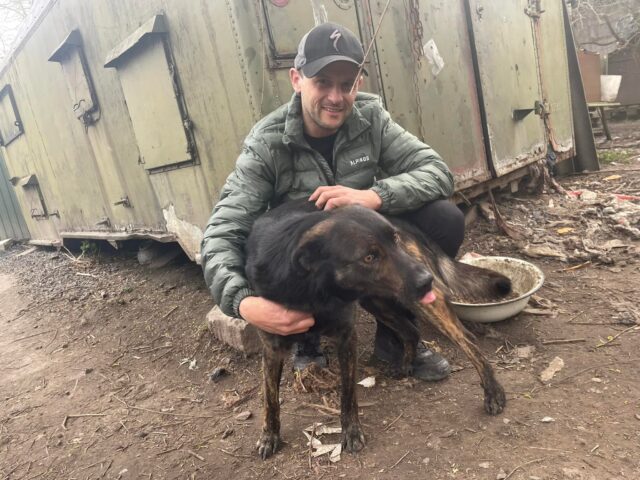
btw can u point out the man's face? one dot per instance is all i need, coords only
(327, 99)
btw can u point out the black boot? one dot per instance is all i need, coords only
(428, 365)
(307, 352)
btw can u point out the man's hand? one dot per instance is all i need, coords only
(330, 197)
(273, 317)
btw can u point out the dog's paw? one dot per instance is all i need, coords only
(352, 438)
(268, 444)
(494, 399)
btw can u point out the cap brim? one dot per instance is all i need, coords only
(311, 69)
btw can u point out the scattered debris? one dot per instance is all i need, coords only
(333, 449)
(321, 429)
(547, 420)
(242, 416)
(554, 367)
(368, 382)
(525, 352)
(217, 373)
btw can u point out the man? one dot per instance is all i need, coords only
(336, 147)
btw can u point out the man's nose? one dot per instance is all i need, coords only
(335, 94)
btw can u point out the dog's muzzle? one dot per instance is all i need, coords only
(424, 283)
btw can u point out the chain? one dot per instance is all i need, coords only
(416, 31)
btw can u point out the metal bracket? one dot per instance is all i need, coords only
(124, 201)
(520, 113)
(540, 108)
(104, 221)
(534, 9)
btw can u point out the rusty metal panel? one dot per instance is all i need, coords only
(590, 73)
(435, 98)
(12, 223)
(554, 75)
(508, 71)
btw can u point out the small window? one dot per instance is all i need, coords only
(151, 87)
(70, 55)
(10, 123)
(33, 196)
(286, 22)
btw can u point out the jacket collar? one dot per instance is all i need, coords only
(294, 128)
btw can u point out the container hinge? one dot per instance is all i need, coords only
(534, 9)
(124, 201)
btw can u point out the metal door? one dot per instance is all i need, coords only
(551, 48)
(12, 223)
(426, 70)
(509, 82)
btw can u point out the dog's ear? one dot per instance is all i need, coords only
(308, 254)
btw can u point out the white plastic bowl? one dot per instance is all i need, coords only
(525, 278)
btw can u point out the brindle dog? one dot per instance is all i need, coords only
(323, 262)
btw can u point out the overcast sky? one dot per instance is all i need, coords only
(10, 21)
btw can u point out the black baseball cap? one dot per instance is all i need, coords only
(327, 43)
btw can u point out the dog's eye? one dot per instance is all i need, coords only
(372, 257)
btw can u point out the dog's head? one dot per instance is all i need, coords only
(356, 252)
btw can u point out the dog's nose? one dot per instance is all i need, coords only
(424, 282)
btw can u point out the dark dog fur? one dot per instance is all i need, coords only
(323, 262)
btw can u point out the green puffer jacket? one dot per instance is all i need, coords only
(276, 164)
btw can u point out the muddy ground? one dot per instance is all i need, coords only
(105, 364)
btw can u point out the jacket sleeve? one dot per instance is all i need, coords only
(416, 174)
(244, 197)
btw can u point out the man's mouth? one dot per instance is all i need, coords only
(332, 109)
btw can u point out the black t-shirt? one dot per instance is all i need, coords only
(324, 146)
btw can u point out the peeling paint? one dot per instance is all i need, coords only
(189, 236)
(430, 50)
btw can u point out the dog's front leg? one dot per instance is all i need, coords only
(272, 360)
(352, 435)
(442, 316)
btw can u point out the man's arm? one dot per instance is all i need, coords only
(416, 173)
(245, 196)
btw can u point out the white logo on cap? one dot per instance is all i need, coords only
(335, 36)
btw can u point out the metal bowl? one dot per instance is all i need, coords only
(525, 278)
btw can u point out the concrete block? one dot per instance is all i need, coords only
(234, 331)
(5, 244)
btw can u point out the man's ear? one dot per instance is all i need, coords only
(296, 79)
(360, 82)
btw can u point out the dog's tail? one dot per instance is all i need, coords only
(471, 284)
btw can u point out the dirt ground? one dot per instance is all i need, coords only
(105, 364)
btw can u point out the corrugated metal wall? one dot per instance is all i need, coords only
(12, 223)
(134, 122)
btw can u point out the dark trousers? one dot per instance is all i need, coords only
(441, 221)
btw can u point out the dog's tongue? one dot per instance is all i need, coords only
(429, 297)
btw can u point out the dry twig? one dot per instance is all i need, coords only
(79, 415)
(561, 341)
(400, 459)
(634, 327)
